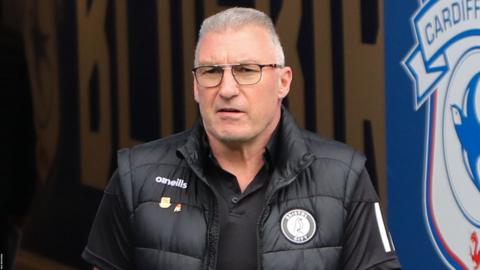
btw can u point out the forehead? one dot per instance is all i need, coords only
(247, 44)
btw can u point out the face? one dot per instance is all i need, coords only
(234, 113)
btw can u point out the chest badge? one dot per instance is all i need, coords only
(298, 226)
(165, 202)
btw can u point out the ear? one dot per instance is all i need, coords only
(195, 88)
(285, 81)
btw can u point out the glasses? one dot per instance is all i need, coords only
(244, 74)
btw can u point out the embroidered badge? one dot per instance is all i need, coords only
(165, 202)
(298, 226)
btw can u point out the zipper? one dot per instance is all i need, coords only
(266, 210)
(212, 243)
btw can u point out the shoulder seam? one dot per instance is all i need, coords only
(348, 166)
(152, 163)
(347, 178)
(174, 138)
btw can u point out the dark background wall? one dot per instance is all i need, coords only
(109, 74)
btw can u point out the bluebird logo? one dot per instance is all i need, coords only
(467, 127)
(444, 66)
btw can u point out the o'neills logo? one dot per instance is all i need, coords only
(174, 183)
(445, 67)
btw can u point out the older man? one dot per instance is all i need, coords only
(245, 188)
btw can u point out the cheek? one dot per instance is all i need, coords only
(264, 102)
(269, 93)
(203, 97)
(195, 95)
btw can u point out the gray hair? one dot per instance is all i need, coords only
(236, 18)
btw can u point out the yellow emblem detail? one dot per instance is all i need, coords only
(165, 202)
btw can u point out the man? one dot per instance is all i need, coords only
(245, 188)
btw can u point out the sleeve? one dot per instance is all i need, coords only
(367, 242)
(109, 243)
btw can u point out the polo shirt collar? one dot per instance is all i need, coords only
(287, 149)
(269, 155)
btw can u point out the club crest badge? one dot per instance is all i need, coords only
(445, 68)
(165, 202)
(298, 226)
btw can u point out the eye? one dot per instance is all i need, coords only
(247, 68)
(209, 70)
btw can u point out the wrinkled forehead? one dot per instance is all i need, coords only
(249, 43)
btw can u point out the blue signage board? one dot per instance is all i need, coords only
(432, 61)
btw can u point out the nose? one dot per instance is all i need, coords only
(228, 88)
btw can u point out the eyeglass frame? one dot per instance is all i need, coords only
(223, 66)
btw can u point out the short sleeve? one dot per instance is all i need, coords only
(367, 242)
(109, 243)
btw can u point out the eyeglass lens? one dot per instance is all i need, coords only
(210, 76)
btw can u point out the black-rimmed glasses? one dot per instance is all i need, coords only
(244, 74)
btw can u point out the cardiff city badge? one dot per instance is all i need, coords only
(298, 226)
(445, 68)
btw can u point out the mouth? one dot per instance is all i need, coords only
(230, 113)
(228, 110)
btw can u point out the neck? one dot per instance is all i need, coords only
(243, 159)
(242, 156)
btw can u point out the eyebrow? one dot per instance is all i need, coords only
(205, 64)
(248, 61)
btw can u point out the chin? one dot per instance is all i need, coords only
(228, 136)
(234, 138)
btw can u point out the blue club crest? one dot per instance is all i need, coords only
(444, 67)
(467, 127)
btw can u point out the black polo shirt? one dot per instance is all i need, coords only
(239, 211)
